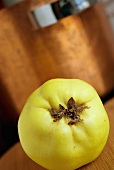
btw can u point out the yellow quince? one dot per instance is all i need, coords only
(63, 124)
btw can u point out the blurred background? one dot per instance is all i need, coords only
(77, 46)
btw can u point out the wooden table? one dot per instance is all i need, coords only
(16, 159)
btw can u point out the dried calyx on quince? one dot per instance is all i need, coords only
(72, 112)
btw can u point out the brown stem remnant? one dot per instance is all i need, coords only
(72, 112)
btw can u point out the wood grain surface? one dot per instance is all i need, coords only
(79, 46)
(16, 159)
